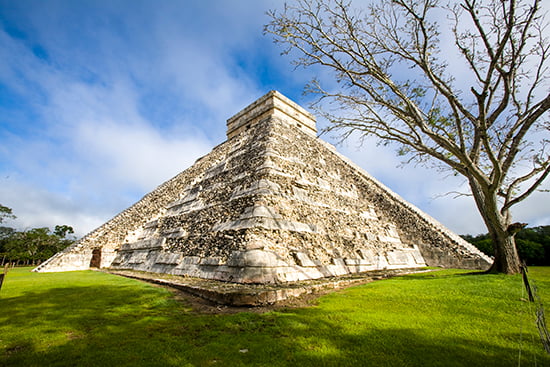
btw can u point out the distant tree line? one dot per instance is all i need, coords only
(30, 246)
(533, 245)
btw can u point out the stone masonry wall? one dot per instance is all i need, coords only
(271, 204)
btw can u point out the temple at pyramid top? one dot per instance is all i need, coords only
(272, 204)
(273, 104)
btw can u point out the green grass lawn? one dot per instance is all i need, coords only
(443, 318)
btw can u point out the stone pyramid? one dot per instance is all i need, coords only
(272, 204)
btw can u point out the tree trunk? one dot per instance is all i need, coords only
(506, 256)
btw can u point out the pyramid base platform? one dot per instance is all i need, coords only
(258, 295)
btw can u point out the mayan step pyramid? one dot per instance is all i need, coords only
(271, 204)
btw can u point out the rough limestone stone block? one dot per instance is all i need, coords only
(168, 258)
(357, 262)
(369, 214)
(187, 198)
(191, 260)
(186, 269)
(151, 224)
(257, 275)
(260, 211)
(365, 268)
(303, 259)
(138, 257)
(260, 187)
(107, 257)
(214, 171)
(367, 256)
(400, 258)
(209, 261)
(161, 268)
(371, 237)
(298, 273)
(337, 269)
(255, 258)
(288, 276)
(352, 269)
(339, 262)
(175, 233)
(380, 261)
(417, 256)
(145, 244)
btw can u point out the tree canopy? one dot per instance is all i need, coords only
(477, 105)
(31, 246)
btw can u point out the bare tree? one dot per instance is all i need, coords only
(397, 80)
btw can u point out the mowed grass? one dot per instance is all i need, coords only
(442, 318)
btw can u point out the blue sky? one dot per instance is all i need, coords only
(102, 101)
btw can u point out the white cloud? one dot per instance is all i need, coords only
(35, 207)
(136, 155)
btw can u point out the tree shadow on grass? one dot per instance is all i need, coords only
(84, 325)
(379, 346)
(122, 326)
